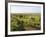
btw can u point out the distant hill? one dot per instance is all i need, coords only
(26, 13)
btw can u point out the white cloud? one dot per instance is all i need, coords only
(32, 9)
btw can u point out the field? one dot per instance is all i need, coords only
(25, 22)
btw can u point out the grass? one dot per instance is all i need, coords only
(24, 22)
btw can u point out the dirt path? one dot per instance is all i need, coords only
(31, 28)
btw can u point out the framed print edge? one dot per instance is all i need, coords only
(6, 35)
(6, 17)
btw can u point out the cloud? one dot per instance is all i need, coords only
(32, 9)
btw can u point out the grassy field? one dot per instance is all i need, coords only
(25, 22)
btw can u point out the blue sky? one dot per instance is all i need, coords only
(32, 9)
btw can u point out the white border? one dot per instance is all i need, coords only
(24, 32)
(27, 0)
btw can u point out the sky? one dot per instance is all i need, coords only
(21, 9)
